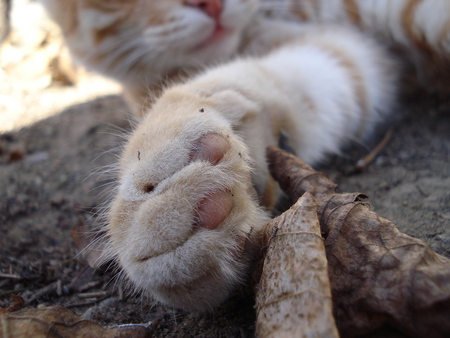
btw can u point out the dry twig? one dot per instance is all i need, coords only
(362, 164)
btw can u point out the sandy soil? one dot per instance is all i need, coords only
(54, 137)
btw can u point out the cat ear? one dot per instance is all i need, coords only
(235, 106)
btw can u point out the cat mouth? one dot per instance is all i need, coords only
(218, 34)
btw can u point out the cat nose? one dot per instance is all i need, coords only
(210, 7)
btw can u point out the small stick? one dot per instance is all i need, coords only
(9, 276)
(93, 294)
(88, 302)
(362, 164)
(48, 289)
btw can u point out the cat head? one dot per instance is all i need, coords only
(143, 40)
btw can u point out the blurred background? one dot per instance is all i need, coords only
(37, 76)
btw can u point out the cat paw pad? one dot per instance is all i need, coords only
(181, 220)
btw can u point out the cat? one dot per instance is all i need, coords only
(418, 30)
(186, 212)
(422, 27)
(193, 186)
(142, 42)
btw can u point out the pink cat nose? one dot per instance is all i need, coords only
(210, 7)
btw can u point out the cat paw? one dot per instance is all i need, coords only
(184, 218)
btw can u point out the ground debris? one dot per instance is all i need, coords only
(49, 289)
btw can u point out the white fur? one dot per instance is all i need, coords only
(149, 50)
(383, 19)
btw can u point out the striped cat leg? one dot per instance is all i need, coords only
(420, 28)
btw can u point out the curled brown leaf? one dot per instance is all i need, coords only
(59, 322)
(378, 275)
(17, 303)
(293, 298)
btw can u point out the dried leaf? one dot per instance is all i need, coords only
(378, 275)
(59, 322)
(17, 303)
(16, 155)
(296, 177)
(293, 298)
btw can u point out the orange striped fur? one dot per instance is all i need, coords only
(139, 42)
(420, 28)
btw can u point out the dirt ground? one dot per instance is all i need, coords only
(56, 135)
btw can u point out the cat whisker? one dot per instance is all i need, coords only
(109, 45)
(119, 50)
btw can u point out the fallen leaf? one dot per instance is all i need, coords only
(59, 322)
(293, 298)
(17, 303)
(378, 275)
(16, 155)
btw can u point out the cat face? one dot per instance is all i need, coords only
(132, 40)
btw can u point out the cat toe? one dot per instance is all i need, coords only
(210, 147)
(213, 209)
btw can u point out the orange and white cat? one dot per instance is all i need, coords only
(186, 211)
(419, 26)
(193, 187)
(141, 42)
(418, 29)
